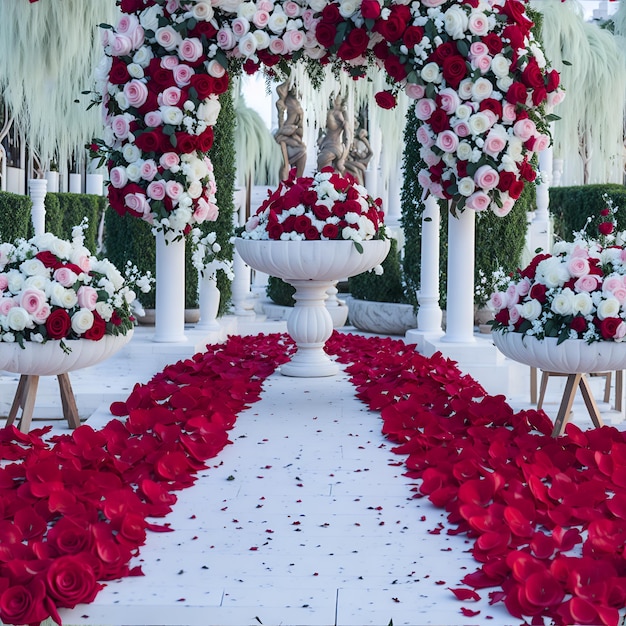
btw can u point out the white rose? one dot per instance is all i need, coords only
(121, 100)
(133, 171)
(347, 8)
(504, 83)
(209, 110)
(82, 321)
(37, 282)
(15, 281)
(582, 303)
(463, 112)
(500, 65)
(317, 5)
(466, 186)
(34, 267)
(515, 147)
(18, 318)
(143, 56)
(430, 73)
(8, 337)
(202, 11)
(247, 45)
(246, 10)
(455, 22)
(135, 70)
(104, 310)
(465, 89)
(482, 89)
(563, 303)
(262, 39)
(531, 310)
(607, 308)
(478, 123)
(131, 153)
(464, 150)
(149, 18)
(277, 22)
(68, 299)
(195, 189)
(171, 115)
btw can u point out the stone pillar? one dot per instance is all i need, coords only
(37, 190)
(170, 289)
(460, 288)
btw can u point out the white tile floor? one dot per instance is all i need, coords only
(305, 520)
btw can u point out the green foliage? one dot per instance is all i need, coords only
(15, 217)
(223, 157)
(69, 210)
(571, 206)
(384, 288)
(280, 292)
(128, 238)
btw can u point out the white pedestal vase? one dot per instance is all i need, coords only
(53, 181)
(37, 188)
(170, 289)
(311, 267)
(209, 300)
(94, 184)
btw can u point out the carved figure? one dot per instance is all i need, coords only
(334, 143)
(359, 156)
(289, 135)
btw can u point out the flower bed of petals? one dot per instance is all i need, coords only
(75, 509)
(547, 516)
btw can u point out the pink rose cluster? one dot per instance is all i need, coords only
(326, 206)
(160, 91)
(577, 292)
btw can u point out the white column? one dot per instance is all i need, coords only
(429, 312)
(37, 190)
(393, 212)
(94, 184)
(241, 295)
(170, 290)
(460, 291)
(539, 234)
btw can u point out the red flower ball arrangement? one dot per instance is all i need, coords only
(326, 206)
(576, 292)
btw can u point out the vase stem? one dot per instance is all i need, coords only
(310, 325)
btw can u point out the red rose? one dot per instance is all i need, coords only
(385, 99)
(116, 200)
(516, 35)
(160, 76)
(412, 36)
(439, 121)
(354, 45)
(311, 233)
(506, 180)
(443, 51)
(321, 211)
(48, 259)
(396, 23)
(71, 580)
(605, 228)
(98, 330)
(370, 9)
(274, 231)
(325, 34)
(553, 80)
(309, 197)
(461, 168)
(24, 604)
(491, 104)
(516, 93)
(454, 70)
(493, 42)
(203, 84)
(267, 58)
(185, 143)
(330, 231)
(579, 324)
(119, 72)
(250, 67)
(527, 172)
(538, 292)
(609, 326)
(539, 95)
(502, 316)
(205, 140)
(331, 14)
(221, 84)
(381, 50)
(203, 28)
(130, 6)
(301, 224)
(149, 141)
(58, 324)
(395, 68)
(529, 272)
(68, 536)
(532, 76)
(516, 12)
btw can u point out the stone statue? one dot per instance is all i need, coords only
(359, 156)
(289, 135)
(334, 143)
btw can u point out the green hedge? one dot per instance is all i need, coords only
(384, 288)
(570, 207)
(280, 292)
(15, 217)
(66, 210)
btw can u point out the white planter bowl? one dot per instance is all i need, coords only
(49, 359)
(572, 356)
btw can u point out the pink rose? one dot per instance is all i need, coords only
(508, 113)
(556, 97)
(611, 283)
(495, 142)
(182, 75)
(136, 92)
(83, 261)
(578, 266)
(173, 189)
(137, 202)
(462, 129)
(120, 46)
(294, 40)
(414, 91)
(169, 62)
(523, 287)
(4, 282)
(505, 209)
(478, 201)
(514, 314)
(216, 69)
(423, 178)
(225, 39)
(260, 19)
(87, 297)
(620, 332)
(448, 100)
(240, 26)
(524, 129)
(619, 294)
(308, 19)
(424, 108)
(252, 223)
(586, 284)
(120, 126)
(40, 316)
(291, 9)
(277, 46)
(65, 276)
(6, 304)
(190, 50)
(127, 24)
(512, 295)
(156, 190)
(168, 160)
(424, 137)
(432, 3)
(447, 141)
(429, 157)
(542, 142)
(498, 301)
(265, 5)
(118, 177)
(169, 97)
(32, 300)
(148, 170)
(483, 63)
(172, 5)
(478, 24)
(580, 251)
(167, 37)
(486, 177)
(478, 48)
(137, 37)
(153, 119)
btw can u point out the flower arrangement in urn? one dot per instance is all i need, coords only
(326, 206)
(577, 292)
(51, 288)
